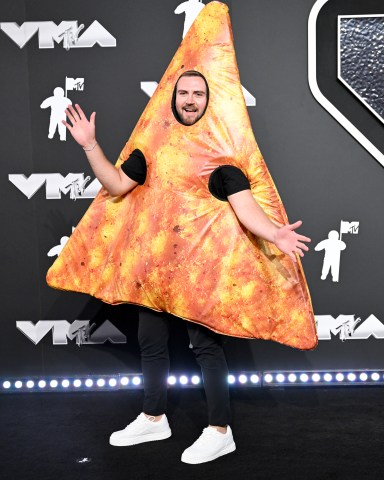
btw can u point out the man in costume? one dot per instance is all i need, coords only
(227, 183)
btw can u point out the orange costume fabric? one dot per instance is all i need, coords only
(169, 244)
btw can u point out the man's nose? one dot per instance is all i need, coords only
(190, 98)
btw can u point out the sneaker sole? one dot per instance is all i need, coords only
(150, 437)
(195, 460)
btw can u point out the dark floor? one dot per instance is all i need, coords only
(292, 433)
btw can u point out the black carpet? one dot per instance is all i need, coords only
(293, 433)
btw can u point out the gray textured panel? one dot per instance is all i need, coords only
(361, 59)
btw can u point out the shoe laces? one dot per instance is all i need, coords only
(140, 420)
(206, 436)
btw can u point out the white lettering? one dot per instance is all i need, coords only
(250, 100)
(95, 33)
(20, 35)
(347, 327)
(371, 327)
(56, 184)
(28, 186)
(37, 332)
(326, 325)
(92, 190)
(67, 33)
(49, 32)
(148, 88)
(62, 330)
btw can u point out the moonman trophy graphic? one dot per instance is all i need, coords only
(333, 246)
(191, 8)
(56, 250)
(58, 103)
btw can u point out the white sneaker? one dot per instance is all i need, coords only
(141, 430)
(210, 445)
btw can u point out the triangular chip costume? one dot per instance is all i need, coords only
(169, 244)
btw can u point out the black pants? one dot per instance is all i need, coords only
(207, 347)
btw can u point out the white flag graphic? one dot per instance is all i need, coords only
(349, 227)
(74, 84)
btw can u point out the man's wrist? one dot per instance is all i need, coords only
(89, 146)
(275, 234)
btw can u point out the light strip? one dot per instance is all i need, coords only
(268, 379)
(321, 378)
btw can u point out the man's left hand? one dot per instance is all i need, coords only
(290, 242)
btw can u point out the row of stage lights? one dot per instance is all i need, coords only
(258, 379)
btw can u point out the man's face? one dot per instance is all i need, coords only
(191, 99)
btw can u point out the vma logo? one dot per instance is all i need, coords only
(347, 327)
(55, 185)
(79, 330)
(67, 33)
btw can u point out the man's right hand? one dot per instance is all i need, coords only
(82, 130)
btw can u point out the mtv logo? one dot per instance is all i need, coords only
(345, 67)
(74, 84)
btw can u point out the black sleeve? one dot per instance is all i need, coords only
(135, 167)
(227, 180)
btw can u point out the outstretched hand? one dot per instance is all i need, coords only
(82, 129)
(290, 242)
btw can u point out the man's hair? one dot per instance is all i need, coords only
(191, 73)
(188, 73)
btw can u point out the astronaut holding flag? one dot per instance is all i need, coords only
(58, 102)
(333, 246)
(191, 8)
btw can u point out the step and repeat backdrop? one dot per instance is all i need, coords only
(312, 76)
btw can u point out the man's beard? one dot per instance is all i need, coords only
(186, 119)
